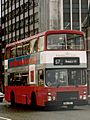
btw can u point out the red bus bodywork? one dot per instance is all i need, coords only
(22, 95)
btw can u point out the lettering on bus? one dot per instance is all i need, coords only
(20, 61)
(66, 61)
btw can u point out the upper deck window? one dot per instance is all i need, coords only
(33, 45)
(19, 50)
(26, 48)
(65, 42)
(41, 43)
(13, 52)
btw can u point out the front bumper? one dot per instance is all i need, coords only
(67, 103)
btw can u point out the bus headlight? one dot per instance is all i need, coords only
(54, 98)
(84, 92)
(84, 97)
(49, 93)
(80, 96)
(49, 98)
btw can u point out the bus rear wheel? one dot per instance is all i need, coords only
(33, 101)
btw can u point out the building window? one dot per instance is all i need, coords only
(17, 25)
(13, 2)
(21, 23)
(26, 21)
(17, 11)
(21, 36)
(21, 9)
(31, 19)
(6, 30)
(9, 28)
(2, 7)
(75, 15)
(13, 27)
(26, 7)
(36, 17)
(36, 2)
(9, 3)
(84, 12)
(66, 14)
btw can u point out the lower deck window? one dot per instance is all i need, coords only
(18, 79)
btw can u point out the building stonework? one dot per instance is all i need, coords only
(23, 18)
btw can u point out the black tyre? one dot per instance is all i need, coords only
(12, 99)
(33, 101)
(1, 100)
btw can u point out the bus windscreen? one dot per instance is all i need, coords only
(65, 77)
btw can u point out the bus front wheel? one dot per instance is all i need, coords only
(12, 98)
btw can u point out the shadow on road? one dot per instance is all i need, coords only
(28, 108)
(25, 108)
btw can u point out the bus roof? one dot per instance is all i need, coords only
(65, 31)
(45, 33)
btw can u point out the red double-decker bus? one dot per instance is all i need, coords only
(47, 69)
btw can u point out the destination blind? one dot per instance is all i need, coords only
(66, 61)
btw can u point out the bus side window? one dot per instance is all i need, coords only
(19, 50)
(36, 46)
(41, 43)
(32, 76)
(26, 48)
(13, 52)
(11, 79)
(24, 79)
(7, 55)
(33, 45)
(40, 77)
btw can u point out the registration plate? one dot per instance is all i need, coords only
(67, 103)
